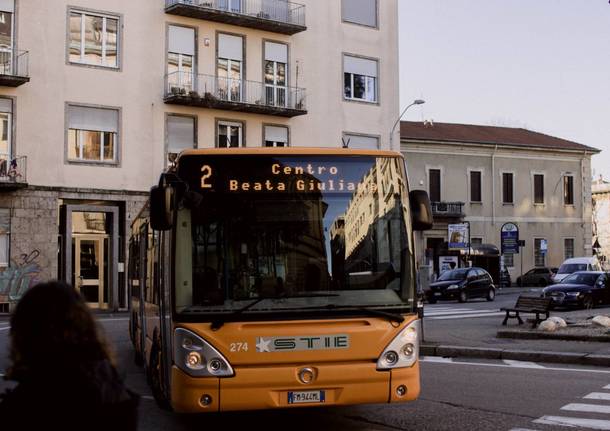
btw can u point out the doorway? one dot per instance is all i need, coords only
(90, 269)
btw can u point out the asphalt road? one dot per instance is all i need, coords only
(456, 395)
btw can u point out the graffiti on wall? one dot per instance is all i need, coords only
(20, 276)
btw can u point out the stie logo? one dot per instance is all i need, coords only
(316, 342)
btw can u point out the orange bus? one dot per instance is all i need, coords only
(278, 278)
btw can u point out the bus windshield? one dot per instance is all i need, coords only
(262, 234)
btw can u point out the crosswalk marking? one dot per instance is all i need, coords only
(596, 424)
(523, 364)
(589, 408)
(434, 312)
(598, 396)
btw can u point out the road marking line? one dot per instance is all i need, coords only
(589, 408)
(606, 387)
(576, 370)
(574, 422)
(522, 364)
(521, 429)
(597, 396)
(436, 359)
(462, 316)
(445, 308)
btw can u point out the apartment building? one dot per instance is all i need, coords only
(488, 176)
(600, 190)
(97, 96)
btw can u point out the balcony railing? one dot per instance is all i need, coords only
(14, 67)
(13, 173)
(278, 16)
(448, 209)
(208, 91)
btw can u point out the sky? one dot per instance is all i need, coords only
(543, 65)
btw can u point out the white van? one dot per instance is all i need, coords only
(576, 264)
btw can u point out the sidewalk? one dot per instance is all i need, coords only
(477, 338)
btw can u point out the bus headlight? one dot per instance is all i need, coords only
(407, 344)
(191, 353)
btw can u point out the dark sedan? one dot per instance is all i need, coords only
(462, 284)
(583, 289)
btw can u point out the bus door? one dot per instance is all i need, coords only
(143, 242)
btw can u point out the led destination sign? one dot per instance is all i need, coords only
(235, 174)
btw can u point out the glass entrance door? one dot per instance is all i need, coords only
(89, 269)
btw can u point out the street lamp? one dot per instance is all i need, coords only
(415, 102)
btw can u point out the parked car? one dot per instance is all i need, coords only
(462, 284)
(583, 289)
(505, 280)
(536, 277)
(570, 266)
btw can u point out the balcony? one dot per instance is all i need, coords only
(277, 16)
(206, 91)
(448, 209)
(13, 173)
(14, 68)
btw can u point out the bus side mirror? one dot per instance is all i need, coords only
(161, 207)
(421, 210)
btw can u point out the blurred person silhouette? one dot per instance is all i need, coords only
(66, 377)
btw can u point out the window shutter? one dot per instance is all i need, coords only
(276, 134)
(360, 12)
(276, 52)
(180, 133)
(230, 47)
(95, 119)
(359, 66)
(362, 142)
(181, 40)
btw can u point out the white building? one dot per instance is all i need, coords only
(94, 95)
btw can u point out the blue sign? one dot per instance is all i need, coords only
(509, 238)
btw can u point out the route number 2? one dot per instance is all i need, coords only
(238, 347)
(206, 174)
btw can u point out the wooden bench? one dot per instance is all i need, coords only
(529, 304)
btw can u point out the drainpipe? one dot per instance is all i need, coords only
(584, 197)
(493, 187)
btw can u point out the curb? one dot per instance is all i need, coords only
(516, 355)
(533, 335)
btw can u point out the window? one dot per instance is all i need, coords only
(276, 136)
(92, 134)
(181, 133)
(475, 186)
(360, 78)
(538, 189)
(540, 249)
(230, 135)
(94, 39)
(568, 248)
(180, 59)
(434, 184)
(568, 190)
(276, 60)
(233, 6)
(362, 12)
(229, 67)
(476, 241)
(6, 129)
(7, 9)
(507, 188)
(361, 142)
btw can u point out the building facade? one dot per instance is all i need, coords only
(96, 97)
(488, 176)
(601, 219)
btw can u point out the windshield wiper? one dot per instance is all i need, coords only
(392, 317)
(217, 324)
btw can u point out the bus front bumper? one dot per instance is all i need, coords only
(258, 388)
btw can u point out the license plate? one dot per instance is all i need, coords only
(437, 293)
(306, 397)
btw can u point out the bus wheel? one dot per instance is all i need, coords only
(155, 378)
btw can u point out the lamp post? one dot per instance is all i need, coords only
(415, 102)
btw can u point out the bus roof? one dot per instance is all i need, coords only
(289, 151)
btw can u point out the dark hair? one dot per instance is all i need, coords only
(52, 327)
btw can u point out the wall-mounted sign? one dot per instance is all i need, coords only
(509, 238)
(459, 236)
(446, 263)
